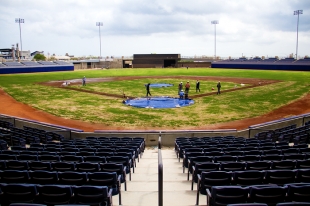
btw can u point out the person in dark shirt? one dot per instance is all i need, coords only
(197, 86)
(218, 88)
(148, 89)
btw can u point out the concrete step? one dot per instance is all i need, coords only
(142, 190)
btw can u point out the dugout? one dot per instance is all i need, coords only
(155, 60)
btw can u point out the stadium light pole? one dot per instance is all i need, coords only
(297, 12)
(19, 21)
(215, 22)
(99, 24)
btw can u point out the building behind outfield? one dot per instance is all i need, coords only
(155, 60)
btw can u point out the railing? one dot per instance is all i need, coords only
(260, 127)
(160, 173)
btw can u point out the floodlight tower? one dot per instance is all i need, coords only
(99, 24)
(19, 21)
(215, 22)
(297, 12)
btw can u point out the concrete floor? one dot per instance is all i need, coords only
(142, 190)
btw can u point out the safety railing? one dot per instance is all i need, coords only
(160, 173)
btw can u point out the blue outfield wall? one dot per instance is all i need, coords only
(264, 66)
(31, 69)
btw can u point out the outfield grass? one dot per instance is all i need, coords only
(110, 111)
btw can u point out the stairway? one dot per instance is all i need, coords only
(142, 190)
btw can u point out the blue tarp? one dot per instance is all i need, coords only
(159, 85)
(159, 102)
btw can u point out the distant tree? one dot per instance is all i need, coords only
(39, 57)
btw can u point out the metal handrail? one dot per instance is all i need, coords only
(160, 173)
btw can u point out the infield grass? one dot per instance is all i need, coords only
(110, 111)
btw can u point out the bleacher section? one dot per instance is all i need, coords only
(46, 63)
(266, 64)
(30, 63)
(236, 164)
(32, 66)
(269, 168)
(13, 64)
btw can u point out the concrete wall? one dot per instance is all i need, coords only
(151, 137)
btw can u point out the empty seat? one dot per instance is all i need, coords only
(280, 177)
(38, 165)
(223, 195)
(248, 177)
(17, 165)
(63, 166)
(72, 178)
(92, 195)
(270, 195)
(298, 193)
(208, 179)
(55, 194)
(87, 167)
(14, 176)
(43, 177)
(232, 166)
(18, 193)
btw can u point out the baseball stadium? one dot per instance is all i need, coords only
(255, 132)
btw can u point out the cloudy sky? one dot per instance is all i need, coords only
(248, 27)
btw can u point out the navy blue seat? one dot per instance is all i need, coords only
(225, 158)
(284, 164)
(55, 194)
(17, 165)
(43, 177)
(109, 179)
(2, 165)
(298, 193)
(248, 158)
(25, 157)
(92, 195)
(203, 167)
(63, 166)
(7, 157)
(18, 193)
(118, 168)
(223, 195)
(94, 159)
(208, 179)
(248, 177)
(14, 176)
(248, 204)
(72, 178)
(38, 165)
(258, 165)
(270, 195)
(303, 164)
(232, 166)
(71, 158)
(87, 167)
(49, 158)
(280, 177)
(303, 175)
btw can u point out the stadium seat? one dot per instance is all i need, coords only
(43, 177)
(55, 194)
(223, 195)
(17, 165)
(18, 193)
(118, 168)
(72, 178)
(270, 195)
(109, 179)
(202, 167)
(14, 176)
(63, 166)
(38, 165)
(87, 167)
(298, 193)
(208, 179)
(248, 177)
(280, 177)
(93, 195)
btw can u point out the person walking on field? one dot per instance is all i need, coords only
(218, 88)
(197, 86)
(148, 90)
(187, 86)
(84, 81)
(180, 87)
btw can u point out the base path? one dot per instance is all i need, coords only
(10, 106)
